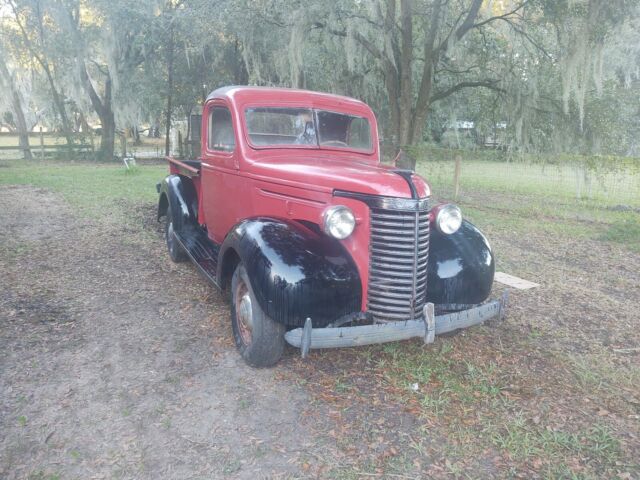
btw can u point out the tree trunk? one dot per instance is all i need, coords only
(59, 103)
(21, 124)
(16, 106)
(57, 99)
(108, 136)
(393, 93)
(107, 119)
(170, 51)
(406, 81)
(104, 110)
(426, 82)
(240, 74)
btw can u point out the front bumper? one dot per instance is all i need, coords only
(426, 328)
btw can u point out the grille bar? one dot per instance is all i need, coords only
(398, 257)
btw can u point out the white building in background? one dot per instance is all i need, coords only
(178, 127)
(462, 132)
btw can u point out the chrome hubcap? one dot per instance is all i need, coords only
(244, 313)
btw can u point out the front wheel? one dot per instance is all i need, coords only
(259, 339)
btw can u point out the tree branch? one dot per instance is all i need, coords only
(490, 84)
(469, 20)
(96, 101)
(527, 37)
(431, 58)
(99, 67)
(370, 47)
(501, 17)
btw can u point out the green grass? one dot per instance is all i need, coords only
(439, 379)
(92, 189)
(524, 197)
(40, 475)
(524, 441)
(557, 182)
(600, 372)
(625, 230)
(464, 396)
(603, 179)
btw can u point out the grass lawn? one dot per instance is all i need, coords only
(554, 182)
(92, 189)
(535, 197)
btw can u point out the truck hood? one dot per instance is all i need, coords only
(325, 172)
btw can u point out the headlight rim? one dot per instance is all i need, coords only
(444, 209)
(329, 212)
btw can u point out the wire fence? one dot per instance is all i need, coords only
(589, 180)
(610, 181)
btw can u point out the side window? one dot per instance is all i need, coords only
(221, 130)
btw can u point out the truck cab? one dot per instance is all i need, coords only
(320, 244)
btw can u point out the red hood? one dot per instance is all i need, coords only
(325, 172)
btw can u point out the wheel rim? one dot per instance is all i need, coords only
(244, 313)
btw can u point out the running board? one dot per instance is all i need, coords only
(201, 250)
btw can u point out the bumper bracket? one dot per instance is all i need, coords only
(429, 323)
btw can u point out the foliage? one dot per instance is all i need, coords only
(561, 76)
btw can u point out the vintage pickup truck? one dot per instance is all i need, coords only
(320, 244)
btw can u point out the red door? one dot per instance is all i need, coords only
(219, 170)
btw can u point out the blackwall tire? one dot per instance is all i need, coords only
(259, 339)
(176, 252)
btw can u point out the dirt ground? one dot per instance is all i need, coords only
(117, 363)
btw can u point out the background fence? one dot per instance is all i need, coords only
(605, 180)
(454, 174)
(51, 145)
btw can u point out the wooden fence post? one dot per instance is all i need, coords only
(180, 146)
(456, 178)
(93, 147)
(41, 144)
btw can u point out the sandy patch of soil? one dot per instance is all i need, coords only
(117, 363)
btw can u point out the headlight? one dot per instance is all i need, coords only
(449, 219)
(339, 222)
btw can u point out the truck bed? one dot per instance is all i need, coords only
(188, 168)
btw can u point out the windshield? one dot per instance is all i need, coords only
(275, 126)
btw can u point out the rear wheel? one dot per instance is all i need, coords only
(176, 252)
(259, 339)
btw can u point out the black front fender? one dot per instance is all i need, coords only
(294, 271)
(461, 266)
(179, 193)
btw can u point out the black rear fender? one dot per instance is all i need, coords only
(295, 272)
(179, 193)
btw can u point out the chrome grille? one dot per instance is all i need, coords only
(398, 255)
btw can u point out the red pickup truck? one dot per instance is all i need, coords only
(320, 244)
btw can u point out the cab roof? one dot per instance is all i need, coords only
(273, 96)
